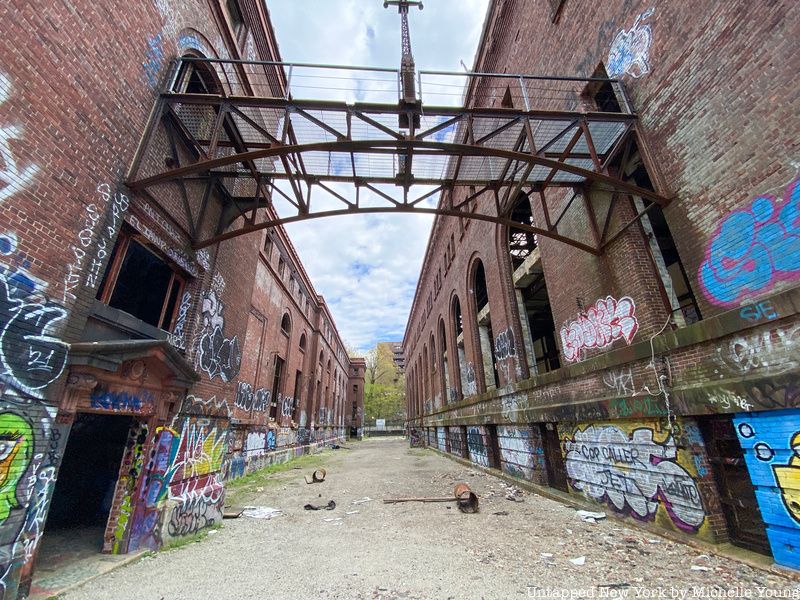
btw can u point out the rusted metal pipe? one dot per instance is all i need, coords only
(467, 499)
(317, 476)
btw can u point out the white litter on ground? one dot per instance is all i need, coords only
(578, 561)
(261, 512)
(590, 517)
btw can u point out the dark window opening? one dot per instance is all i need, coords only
(235, 13)
(267, 246)
(521, 243)
(298, 390)
(286, 325)
(508, 101)
(195, 78)
(457, 317)
(541, 325)
(140, 283)
(656, 229)
(600, 95)
(481, 293)
(276, 387)
(303, 343)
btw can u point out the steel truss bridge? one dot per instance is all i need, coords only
(332, 140)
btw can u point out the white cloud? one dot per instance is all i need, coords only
(367, 266)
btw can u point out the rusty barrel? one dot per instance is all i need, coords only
(319, 475)
(466, 498)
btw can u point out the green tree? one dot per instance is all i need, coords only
(384, 389)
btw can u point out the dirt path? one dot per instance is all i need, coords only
(416, 551)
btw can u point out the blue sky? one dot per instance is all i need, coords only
(367, 266)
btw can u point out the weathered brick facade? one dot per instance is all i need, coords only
(194, 375)
(657, 380)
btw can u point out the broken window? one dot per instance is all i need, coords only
(141, 283)
(443, 354)
(303, 342)
(600, 95)
(521, 243)
(286, 325)
(298, 390)
(485, 335)
(277, 380)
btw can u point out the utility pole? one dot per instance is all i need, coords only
(408, 69)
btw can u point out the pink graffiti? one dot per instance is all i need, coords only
(608, 320)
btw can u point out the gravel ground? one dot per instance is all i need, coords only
(510, 549)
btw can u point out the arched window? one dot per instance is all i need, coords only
(461, 359)
(303, 342)
(286, 324)
(485, 334)
(443, 371)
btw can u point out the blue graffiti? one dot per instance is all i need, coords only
(771, 444)
(271, 442)
(154, 59)
(754, 249)
(124, 401)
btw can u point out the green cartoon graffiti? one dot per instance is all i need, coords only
(16, 445)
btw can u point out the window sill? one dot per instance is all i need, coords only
(126, 322)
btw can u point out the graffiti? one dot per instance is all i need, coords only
(105, 399)
(754, 249)
(271, 442)
(178, 335)
(148, 209)
(509, 405)
(504, 345)
(255, 443)
(441, 440)
(217, 355)
(629, 53)
(620, 380)
(633, 474)
(154, 59)
(16, 447)
(192, 405)
(218, 283)
(771, 445)
(771, 394)
(478, 452)
(764, 349)
(287, 405)
(203, 259)
(727, 400)
(20, 282)
(469, 375)
(248, 400)
(517, 453)
(178, 256)
(13, 176)
(199, 451)
(415, 438)
(192, 516)
(757, 311)
(639, 407)
(608, 320)
(236, 467)
(30, 357)
(95, 241)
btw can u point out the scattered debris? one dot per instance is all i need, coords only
(261, 512)
(499, 513)
(590, 517)
(579, 562)
(232, 512)
(332, 519)
(362, 500)
(699, 568)
(546, 554)
(317, 476)
(615, 586)
(337, 447)
(329, 506)
(352, 512)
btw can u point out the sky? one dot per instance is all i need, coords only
(366, 266)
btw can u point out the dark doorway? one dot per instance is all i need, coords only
(554, 461)
(89, 471)
(736, 495)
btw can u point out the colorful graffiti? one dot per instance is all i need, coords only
(630, 50)
(217, 355)
(624, 466)
(606, 321)
(415, 438)
(16, 447)
(754, 249)
(103, 398)
(771, 444)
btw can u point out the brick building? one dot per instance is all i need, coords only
(659, 377)
(139, 373)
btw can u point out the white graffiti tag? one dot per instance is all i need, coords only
(607, 320)
(13, 177)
